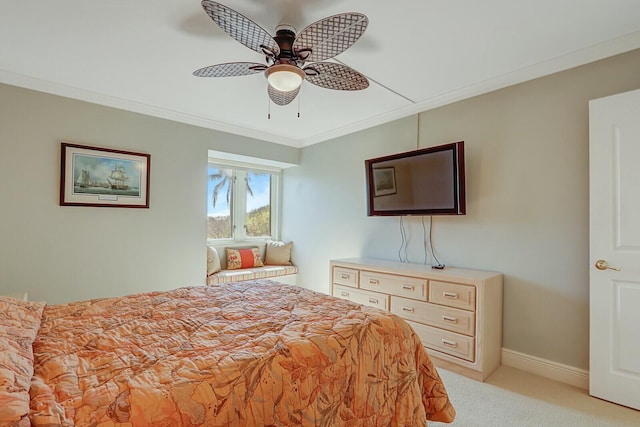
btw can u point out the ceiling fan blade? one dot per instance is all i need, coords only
(230, 69)
(330, 75)
(331, 36)
(282, 98)
(240, 27)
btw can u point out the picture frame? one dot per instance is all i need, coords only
(103, 177)
(384, 181)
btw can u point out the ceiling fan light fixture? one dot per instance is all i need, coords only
(284, 77)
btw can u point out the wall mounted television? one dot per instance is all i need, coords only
(428, 181)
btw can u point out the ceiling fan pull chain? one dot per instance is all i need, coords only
(299, 105)
(268, 108)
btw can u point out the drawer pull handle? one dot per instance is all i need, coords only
(450, 319)
(374, 282)
(449, 343)
(452, 295)
(344, 276)
(408, 309)
(408, 287)
(344, 294)
(373, 300)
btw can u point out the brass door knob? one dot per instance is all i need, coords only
(604, 265)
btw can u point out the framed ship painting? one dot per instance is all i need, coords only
(95, 176)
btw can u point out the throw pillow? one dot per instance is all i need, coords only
(278, 253)
(243, 258)
(213, 261)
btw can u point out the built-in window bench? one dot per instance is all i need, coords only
(282, 273)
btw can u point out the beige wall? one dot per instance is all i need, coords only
(527, 201)
(59, 253)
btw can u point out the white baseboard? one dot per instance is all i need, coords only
(546, 368)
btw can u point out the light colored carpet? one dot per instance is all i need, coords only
(514, 398)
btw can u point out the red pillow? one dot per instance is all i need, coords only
(243, 258)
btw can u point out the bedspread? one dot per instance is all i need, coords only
(256, 353)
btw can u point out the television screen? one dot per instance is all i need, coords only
(429, 181)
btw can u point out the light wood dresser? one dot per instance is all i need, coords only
(457, 313)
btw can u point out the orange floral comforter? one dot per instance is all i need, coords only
(254, 353)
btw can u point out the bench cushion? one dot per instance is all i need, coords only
(265, 272)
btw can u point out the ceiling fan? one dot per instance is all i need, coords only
(287, 52)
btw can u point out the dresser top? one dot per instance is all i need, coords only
(420, 270)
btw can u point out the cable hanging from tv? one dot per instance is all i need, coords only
(439, 265)
(427, 245)
(403, 243)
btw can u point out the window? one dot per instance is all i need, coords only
(241, 202)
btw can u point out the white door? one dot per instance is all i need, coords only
(614, 160)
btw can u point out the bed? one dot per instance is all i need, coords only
(257, 353)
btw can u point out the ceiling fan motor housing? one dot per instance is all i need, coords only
(285, 37)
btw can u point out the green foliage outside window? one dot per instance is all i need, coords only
(258, 224)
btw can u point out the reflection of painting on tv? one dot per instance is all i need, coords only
(384, 181)
(429, 181)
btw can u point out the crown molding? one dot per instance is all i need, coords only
(561, 63)
(573, 59)
(66, 91)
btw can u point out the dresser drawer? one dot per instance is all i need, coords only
(446, 342)
(452, 295)
(372, 299)
(451, 319)
(345, 276)
(409, 287)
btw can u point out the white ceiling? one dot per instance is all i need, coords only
(418, 54)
